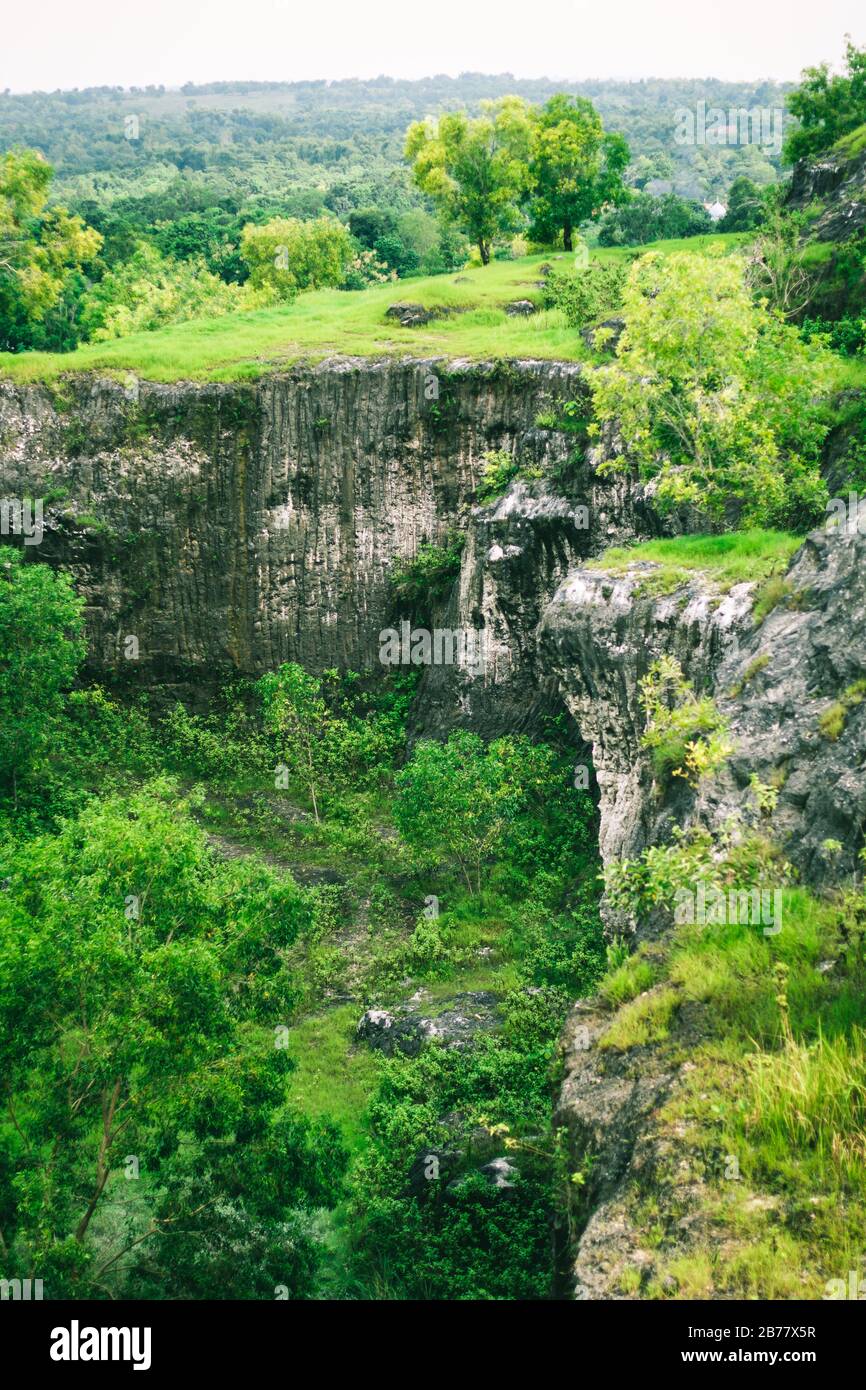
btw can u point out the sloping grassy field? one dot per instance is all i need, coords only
(726, 559)
(325, 322)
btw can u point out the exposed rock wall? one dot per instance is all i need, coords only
(232, 527)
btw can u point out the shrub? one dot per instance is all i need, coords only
(713, 398)
(687, 736)
(427, 577)
(592, 294)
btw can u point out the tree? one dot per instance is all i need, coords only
(287, 255)
(713, 397)
(475, 170)
(747, 207)
(150, 290)
(145, 1147)
(827, 107)
(41, 248)
(575, 168)
(645, 218)
(468, 801)
(42, 648)
(296, 711)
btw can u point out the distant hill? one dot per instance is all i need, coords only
(342, 141)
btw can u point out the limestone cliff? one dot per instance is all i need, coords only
(230, 527)
(233, 527)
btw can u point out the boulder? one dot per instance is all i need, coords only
(616, 327)
(389, 1033)
(410, 315)
(500, 1173)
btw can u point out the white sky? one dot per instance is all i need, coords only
(78, 43)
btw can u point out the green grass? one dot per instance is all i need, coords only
(327, 322)
(762, 1141)
(646, 1019)
(832, 722)
(627, 981)
(728, 559)
(851, 144)
(333, 1077)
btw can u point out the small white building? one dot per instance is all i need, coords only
(716, 211)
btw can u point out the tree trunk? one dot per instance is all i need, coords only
(566, 237)
(484, 248)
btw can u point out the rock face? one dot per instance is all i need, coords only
(838, 178)
(406, 1031)
(229, 528)
(776, 682)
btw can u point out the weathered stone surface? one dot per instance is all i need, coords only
(521, 308)
(411, 315)
(604, 1106)
(615, 328)
(837, 179)
(772, 681)
(408, 1028)
(233, 527)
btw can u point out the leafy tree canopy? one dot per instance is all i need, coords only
(41, 248)
(287, 255)
(827, 106)
(576, 169)
(475, 170)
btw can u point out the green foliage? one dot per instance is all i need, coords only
(455, 1236)
(713, 397)
(627, 980)
(427, 577)
(286, 255)
(827, 107)
(223, 744)
(732, 557)
(43, 646)
(211, 237)
(464, 802)
(644, 218)
(846, 336)
(42, 251)
(149, 290)
(255, 343)
(575, 168)
(740, 856)
(832, 722)
(500, 469)
(769, 595)
(591, 294)
(327, 735)
(141, 984)
(746, 207)
(474, 170)
(687, 736)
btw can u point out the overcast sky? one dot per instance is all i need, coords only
(80, 43)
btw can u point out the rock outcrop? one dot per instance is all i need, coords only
(231, 527)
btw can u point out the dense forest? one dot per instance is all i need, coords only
(169, 180)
